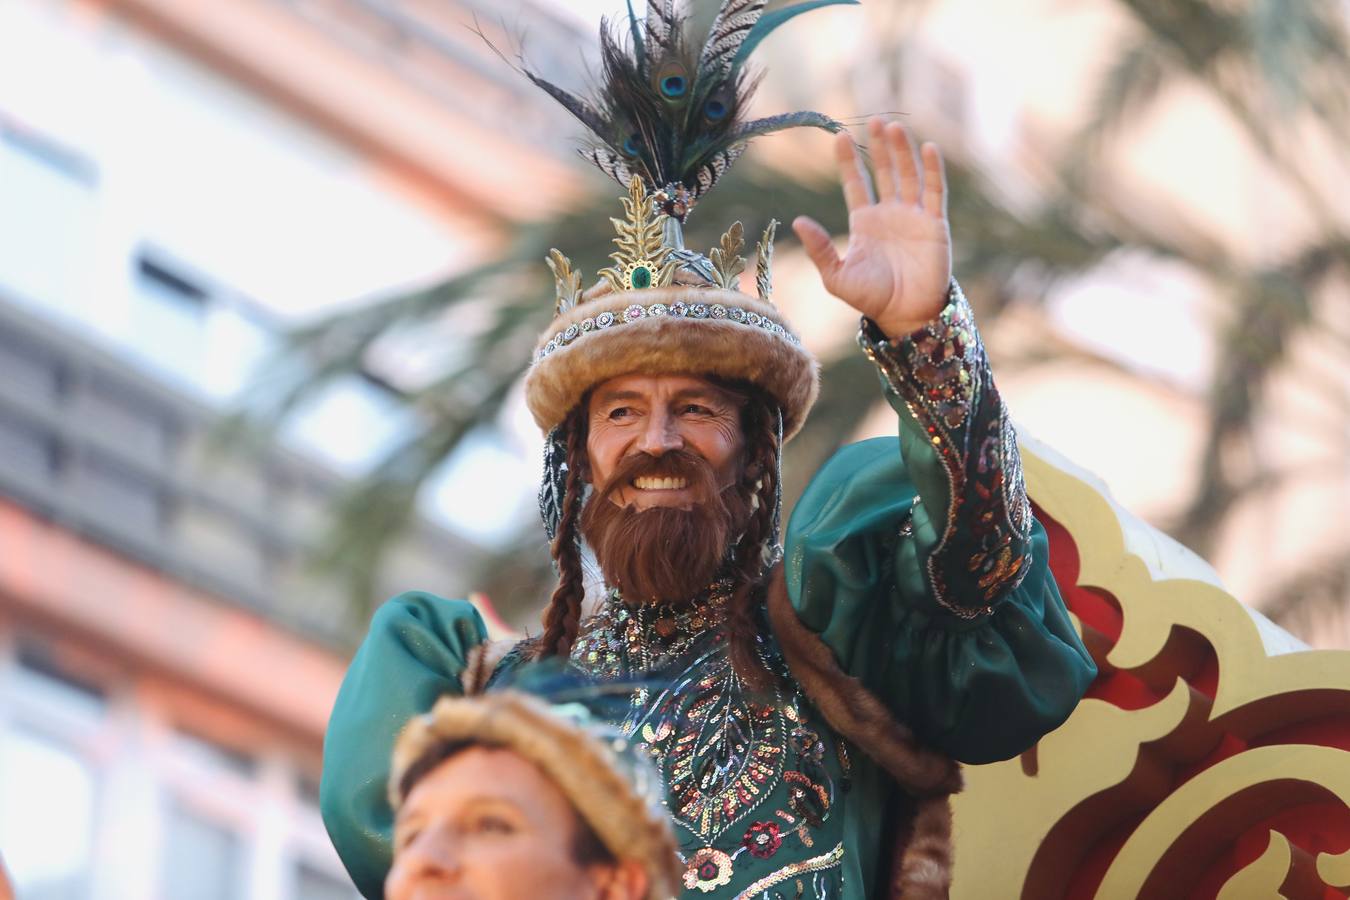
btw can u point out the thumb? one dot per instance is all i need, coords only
(816, 241)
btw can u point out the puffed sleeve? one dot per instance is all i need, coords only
(919, 564)
(415, 651)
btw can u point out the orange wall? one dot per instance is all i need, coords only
(466, 167)
(202, 645)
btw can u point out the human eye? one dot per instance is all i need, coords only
(695, 409)
(489, 823)
(405, 836)
(619, 413)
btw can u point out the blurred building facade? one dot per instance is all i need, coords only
(178, 183)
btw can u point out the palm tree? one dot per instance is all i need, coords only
(1271, 66)
(1280, 73)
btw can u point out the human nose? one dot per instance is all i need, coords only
(429, 859)
(661, 434)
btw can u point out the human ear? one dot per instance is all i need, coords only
(625, 880)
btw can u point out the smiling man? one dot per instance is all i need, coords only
(806, 701)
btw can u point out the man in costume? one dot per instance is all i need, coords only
(503, 797)
(807, 702)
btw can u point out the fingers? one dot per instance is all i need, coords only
(934, 180)
(857, 193)
(816, 241)
(898, 173)
(888, 178)
(901, 154)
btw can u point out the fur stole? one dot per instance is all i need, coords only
(921, 833)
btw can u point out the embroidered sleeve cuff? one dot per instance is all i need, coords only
(941, 374)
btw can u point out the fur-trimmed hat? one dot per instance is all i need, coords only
(679, 329)
(612, 787)
(663, 311)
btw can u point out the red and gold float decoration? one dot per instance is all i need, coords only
(1210, 759)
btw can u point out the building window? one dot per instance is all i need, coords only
(117, 497)
(203, 859)
(26, 452)
(169, 318)
(222, 546)
(312, 884)
(42, 673)
(132, 421)
(47, 817)
(209, 756)
(47, 220)
(27, 369)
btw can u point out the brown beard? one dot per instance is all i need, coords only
(663, 555)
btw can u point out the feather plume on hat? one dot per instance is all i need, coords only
(675, 115)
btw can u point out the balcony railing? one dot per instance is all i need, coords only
(96, 446)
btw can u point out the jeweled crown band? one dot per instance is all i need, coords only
(678, 310)
(678, 329)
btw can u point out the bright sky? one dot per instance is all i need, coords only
(590, 11)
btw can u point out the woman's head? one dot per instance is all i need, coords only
(501, 796)
(484, 822)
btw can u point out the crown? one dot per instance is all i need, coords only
(651, 252)
(660, 308)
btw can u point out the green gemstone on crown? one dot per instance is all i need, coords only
(641, 278)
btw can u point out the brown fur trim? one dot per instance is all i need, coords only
(581, 765)
(922, 851)
(853, 710)
(667, 345)
(923, 870)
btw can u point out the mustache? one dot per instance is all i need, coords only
(674, 464)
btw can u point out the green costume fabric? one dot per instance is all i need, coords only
(943, 606)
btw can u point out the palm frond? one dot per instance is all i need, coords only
(1269, 309)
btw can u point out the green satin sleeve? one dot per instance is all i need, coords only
(415, 651)
(979, 689)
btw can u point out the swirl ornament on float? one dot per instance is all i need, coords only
(1210, 758)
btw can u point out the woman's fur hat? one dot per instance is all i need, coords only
(612, 787)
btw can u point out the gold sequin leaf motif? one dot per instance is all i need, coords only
(567, 280)
(642, 260)
(727, 260)
(764, 262)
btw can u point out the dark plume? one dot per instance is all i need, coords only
(673, 111)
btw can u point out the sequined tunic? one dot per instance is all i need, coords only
(919, 566)
(752, 777)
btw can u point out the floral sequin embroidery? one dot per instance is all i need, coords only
(707, 870)
(762, 839)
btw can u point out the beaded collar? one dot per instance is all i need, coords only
(621, 640)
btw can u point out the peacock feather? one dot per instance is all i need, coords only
(673, 113)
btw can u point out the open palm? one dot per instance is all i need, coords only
(898, 262)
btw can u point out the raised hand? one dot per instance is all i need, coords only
(898, 262)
